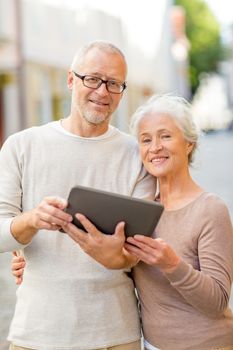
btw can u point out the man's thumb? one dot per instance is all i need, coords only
(120, 229)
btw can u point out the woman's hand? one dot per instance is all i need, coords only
(17, 267)
(153, 252)
(108, 250)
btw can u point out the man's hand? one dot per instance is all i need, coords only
(49, 215)
(108, 250)
(17, 267)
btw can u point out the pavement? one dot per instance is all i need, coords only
(213, 167)
(7, 298)
(213, 170)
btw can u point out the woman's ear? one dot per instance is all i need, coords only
(70, 80)
(190, 146)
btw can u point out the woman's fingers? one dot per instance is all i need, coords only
(18, 272)
(17, 258)
(145, 248)
(17, 267)
(18, 280)
(153, 252)
(138, 252)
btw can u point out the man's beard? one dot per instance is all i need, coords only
(95, 119)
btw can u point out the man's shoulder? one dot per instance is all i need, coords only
(24, 138)
(31, 131)
(125, 137)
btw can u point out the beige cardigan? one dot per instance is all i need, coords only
(188, 309)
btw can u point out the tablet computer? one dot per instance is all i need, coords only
(106, 209)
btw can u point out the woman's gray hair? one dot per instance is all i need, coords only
(99, 44)
(174, 106)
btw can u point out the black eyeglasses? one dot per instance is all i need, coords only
(92, 82)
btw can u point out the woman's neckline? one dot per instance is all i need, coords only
(193, 200)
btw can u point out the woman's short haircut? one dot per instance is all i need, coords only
(174, 106)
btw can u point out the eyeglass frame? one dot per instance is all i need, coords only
(102, 81)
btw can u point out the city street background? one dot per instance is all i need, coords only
(160, 52)
(213, 170)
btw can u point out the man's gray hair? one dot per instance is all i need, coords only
(174, 106)
(99, 44)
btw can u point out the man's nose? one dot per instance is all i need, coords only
(102, 89)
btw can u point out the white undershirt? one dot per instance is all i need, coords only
(149, 346)
(58, 125)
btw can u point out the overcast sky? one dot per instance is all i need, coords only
(222, 10)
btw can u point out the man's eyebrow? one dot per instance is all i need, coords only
(99, 75)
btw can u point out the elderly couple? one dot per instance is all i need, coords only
(75, 291)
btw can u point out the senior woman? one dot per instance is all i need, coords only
(184, 275)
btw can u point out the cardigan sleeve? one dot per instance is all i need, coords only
(208, 289)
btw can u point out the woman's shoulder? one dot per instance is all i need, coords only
(213, 211)
(209, 200)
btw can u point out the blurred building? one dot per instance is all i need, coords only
(213, 101)
(210, 104)
(180, 49)
(9, 69)
(38, 41)
(226, 67)
(165, 67)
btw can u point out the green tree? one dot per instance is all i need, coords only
(203, 32)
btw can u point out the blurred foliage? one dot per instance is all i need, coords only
(203, 33)
(56, 105)
(5, 79)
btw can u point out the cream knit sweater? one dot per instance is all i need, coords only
(67, 300)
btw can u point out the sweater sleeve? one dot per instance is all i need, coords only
(208, 289)
(10, 194)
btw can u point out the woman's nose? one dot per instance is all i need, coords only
(156, 146)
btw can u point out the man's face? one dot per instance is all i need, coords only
(96, 106)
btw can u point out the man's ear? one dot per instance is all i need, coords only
(70, 80)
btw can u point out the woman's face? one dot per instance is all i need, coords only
(163, 148)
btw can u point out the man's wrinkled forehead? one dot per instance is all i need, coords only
(103, 63)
